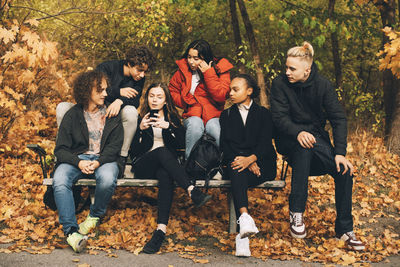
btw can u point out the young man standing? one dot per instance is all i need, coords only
(88, 144)
(301, 102)
(126, 81)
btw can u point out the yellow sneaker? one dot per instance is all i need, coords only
(88, 225)
(77, 241)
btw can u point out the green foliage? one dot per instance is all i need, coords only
(101, 29)
(96, 30)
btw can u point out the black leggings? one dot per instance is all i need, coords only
(240, 182)
(163, 165)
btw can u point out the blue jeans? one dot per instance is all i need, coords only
(66, 175)
(195, 128)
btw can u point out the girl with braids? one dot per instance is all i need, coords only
(154, 154)
(200, 87)
(249, 156)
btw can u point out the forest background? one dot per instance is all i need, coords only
(45, 43)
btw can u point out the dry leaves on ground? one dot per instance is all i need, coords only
(129, 221)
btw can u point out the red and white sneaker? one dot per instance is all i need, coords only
(351, 241)
(297, 226)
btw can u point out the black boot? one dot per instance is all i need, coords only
(154, 245)
(121, 161)
(199, 198)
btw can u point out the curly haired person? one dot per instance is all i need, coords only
(126, 80)
(88, 144)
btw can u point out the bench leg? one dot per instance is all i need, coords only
(91, 193)
(232, 214)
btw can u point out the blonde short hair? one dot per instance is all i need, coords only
(306, 51)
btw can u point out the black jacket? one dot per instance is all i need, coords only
(173, 137)
(297, 107)
(73, 138)
(253, 138)
(115, 72)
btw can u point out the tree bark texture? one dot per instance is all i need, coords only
(398, 10)
(337, 61)
(393, 142)
(236, 34)
(391, 91)
(254, 50)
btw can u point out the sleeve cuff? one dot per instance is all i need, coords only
(76, 161)
(100, 160)
(340, 151)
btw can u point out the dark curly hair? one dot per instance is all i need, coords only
(139, 55)
(84, 83)
(251, 82)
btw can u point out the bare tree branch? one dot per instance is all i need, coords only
(305, 9)
(50, 16)
(75, 10)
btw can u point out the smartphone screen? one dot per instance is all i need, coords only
(153, 113)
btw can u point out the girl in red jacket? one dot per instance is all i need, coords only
(200, 87)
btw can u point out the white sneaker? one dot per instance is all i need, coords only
(297, 226)
(242, 247)
(351, 241)
(247, 225)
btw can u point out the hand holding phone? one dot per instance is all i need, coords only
(153, 113)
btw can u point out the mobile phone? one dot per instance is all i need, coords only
(153, 113)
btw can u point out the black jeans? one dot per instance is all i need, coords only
(320, 160)
(163, 165)
(240, 183)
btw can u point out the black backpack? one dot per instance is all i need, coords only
(204, 160)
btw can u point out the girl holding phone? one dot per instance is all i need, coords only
(200, 87)
(154, 154)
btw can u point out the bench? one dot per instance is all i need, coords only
(130, 181)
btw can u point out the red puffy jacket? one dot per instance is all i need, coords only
(209, 97)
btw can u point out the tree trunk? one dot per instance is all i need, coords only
(3, 9)
(393, 142)
(254, 51)
(236, 34)
(391, 91)
(398, 9)
(335, 47)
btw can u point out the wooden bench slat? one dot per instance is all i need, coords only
(152, 182)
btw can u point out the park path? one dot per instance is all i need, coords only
(120, 258)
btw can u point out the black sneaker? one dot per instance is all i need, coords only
(154, 245)
(199, 198)
(121, 161)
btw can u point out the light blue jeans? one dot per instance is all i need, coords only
(195, 128)
(66, 175)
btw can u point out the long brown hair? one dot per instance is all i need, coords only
(170, 111)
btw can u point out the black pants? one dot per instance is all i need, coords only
(163, 165)
(240, 183)
(320, 160)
